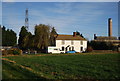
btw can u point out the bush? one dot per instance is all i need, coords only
(89, 49)
(4, 52)
(115, 48)
(98, 45)
(11, 52)
(16, 52)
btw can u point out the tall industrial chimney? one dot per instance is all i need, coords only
(109, 27)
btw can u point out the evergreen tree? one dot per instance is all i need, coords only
(52, 36)
(23, 38)
(3, 36)
(9, 37)
(0, 35)
(78, 33)
(30, 41)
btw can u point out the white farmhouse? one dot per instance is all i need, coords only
(70, 42)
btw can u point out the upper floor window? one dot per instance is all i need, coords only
(72, 42)
(63, 42)
(81, 42)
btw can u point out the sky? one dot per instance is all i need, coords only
(67, 17)
(60, 0)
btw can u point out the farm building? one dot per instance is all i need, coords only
(70, 43)
(108, 39)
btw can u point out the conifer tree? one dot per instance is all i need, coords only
(52, 36)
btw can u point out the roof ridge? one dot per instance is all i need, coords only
(63, 34)
(69, 37)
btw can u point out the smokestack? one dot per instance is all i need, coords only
(109, 27)
(74, 34)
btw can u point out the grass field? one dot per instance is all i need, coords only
(68, 66)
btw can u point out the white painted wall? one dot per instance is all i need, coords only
(77, 44)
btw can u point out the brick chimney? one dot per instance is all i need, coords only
(95, 36)
(74, 34)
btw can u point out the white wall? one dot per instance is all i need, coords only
(77, 44)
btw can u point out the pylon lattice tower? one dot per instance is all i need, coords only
(26, 19)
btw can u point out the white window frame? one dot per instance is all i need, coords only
(63, 42)
(72, 42)
(81, 42)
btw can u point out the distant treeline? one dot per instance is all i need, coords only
(9, 37)
(43, 36)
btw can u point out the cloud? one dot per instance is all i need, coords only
(9, 0)
(62, 8)
(85, 15)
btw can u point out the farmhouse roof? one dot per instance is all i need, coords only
(69, 37)
(105, 38)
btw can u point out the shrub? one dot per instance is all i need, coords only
(7, 52)
(11, 52)
(89, 49)
(115, 48)
(98, 45)
(4, 52)
(16, 51)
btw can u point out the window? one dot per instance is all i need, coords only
(55, 49)
(66, 49)
(63, 42)
(72, 48)
(81, 48)
(62, 48)
(69, 48)
(81, 42)
(72, 42)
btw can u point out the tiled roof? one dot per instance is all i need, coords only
(69, 37)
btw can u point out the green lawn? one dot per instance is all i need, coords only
(78, 66)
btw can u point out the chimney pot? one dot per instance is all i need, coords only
(95, 36)
(74, 34)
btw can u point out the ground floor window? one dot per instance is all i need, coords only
(72, 48)
(66, 49)
(62, 48)
(81, 48)
(69, 48)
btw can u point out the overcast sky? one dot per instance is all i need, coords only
(86, 17)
